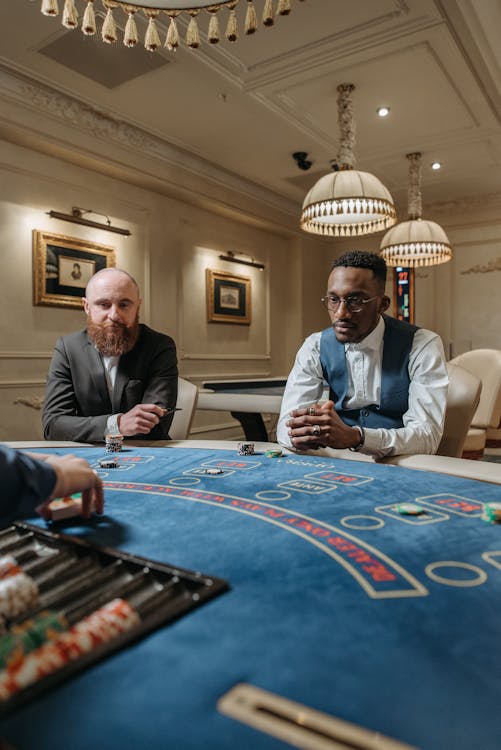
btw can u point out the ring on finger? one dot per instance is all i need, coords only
(315, 429)
(311, 411)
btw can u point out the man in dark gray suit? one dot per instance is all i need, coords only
(116, 377)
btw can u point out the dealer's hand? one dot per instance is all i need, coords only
(73, 475)
(320, 427)
(140, 420)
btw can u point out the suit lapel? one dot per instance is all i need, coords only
(121, 381)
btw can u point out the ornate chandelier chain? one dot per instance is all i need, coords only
(414, 202)
(346, 120)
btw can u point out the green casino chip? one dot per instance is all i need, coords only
(492, 512)
(409, 509)
(273, 453)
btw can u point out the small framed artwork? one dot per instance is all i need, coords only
(62, 267)
(228, 298)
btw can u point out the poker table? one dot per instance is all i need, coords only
(246, 400)
(336, 602)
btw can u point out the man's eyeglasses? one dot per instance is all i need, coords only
(355, 303)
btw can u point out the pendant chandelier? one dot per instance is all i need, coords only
(152, 9)
(416, 242)
(347, 203)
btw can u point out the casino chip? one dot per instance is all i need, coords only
(273, 453)
(409, 509)
(214, 471)
(108, 463)
(113, 443)
(492, 512)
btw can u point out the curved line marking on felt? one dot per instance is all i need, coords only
(346, 521)
(490, 558)
(407, 586)
(481, 574)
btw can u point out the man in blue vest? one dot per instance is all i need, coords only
(387, 379)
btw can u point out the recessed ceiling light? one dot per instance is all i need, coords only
(436, 165)
(383, 111)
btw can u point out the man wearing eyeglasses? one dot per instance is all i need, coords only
(387, 379)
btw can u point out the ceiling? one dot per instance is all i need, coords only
(248, 106)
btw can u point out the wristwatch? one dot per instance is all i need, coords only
(362, 438)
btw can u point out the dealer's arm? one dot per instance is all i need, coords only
(30, 481)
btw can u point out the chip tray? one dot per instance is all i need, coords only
(80, 603)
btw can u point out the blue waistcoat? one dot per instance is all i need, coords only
(397, 344)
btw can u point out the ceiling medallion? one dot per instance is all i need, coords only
(72, 17)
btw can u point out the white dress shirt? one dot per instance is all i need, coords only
(422, 422)
(110, 372)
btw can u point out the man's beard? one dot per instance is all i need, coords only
(113, 340)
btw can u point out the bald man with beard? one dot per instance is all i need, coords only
(118, 376)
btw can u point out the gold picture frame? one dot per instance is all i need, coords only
(228, 298)
(63, 265)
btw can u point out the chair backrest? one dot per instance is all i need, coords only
(187, 396)
(486, 365)
(463, 396)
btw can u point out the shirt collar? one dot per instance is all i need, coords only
(373, 341)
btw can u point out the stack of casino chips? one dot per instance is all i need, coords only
(83, 594)
(492, 512)
(111, 602)
(18, 591)
(245, 449)
(26, 579)
(113, 443)
(104, 624)
(29, 635)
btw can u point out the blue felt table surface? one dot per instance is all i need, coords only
(337, 601)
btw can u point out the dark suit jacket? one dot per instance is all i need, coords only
(77, 404)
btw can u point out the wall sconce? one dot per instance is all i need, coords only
(231, 258)
(76, 217)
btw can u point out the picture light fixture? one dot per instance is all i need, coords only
(77, 217)
(231, 258)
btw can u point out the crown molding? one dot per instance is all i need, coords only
(491, 265)
(170, 169)
(468, 209)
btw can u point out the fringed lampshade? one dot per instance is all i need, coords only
(86, 18)
(347, 203)
(416, 242)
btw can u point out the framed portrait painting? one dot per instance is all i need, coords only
(63, 265)
(228, 298)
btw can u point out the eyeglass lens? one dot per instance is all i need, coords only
(354, 304)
